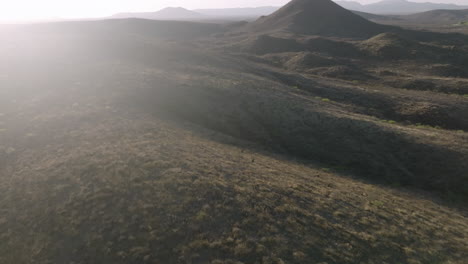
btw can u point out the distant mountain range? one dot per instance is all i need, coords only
(169, 13)
(179, 13)
(434, 17)
(384, 7)
(397, 7)
(239, 12)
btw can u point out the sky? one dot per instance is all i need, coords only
(22, 10)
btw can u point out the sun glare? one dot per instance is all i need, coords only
(24, 10)
(27, 10)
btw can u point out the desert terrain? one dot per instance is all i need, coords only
(312, 135)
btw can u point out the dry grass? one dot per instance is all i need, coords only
(139, 189)
(176, 155)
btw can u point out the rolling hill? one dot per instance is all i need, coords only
(130, 141)
(435, 20)
(398, 7)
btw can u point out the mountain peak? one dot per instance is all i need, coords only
(317, 17)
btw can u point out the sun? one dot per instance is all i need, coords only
(27, 10)
(11, 10)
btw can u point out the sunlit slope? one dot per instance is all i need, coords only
(125, 187)
(141, 150)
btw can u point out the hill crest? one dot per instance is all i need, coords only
(317, 17)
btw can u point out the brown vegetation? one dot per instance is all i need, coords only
(127, 141)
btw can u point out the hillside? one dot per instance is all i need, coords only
(351, 5)
(379, 18)
(130, 141)
(181, 155)
(316, 17)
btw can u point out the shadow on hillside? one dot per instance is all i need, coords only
(298, 129)
(382, 105)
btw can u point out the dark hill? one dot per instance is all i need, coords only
(395, 46)
(439, 17)
(378, 18)
(317, 17)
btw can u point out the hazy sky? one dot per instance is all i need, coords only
(37, 9)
